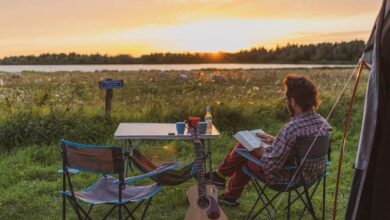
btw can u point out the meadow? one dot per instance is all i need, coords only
(38, 109)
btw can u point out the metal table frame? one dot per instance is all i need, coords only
(160, 131)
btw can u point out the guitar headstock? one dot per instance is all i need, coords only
(192, 123)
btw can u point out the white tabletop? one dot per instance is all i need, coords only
(157, 131)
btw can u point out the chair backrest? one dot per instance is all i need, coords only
(93, 159)
(318, 150)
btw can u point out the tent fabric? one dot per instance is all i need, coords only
(387, 9)
(368, 50)
(369, 120)
(370, 193)
(170, 178)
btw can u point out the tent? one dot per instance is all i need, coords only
(370, 192)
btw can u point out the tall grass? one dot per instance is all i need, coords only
(37, 109)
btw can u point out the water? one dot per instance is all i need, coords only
(162, 67)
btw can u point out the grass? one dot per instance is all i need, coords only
(37, 109)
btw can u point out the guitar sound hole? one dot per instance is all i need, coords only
(203, 202)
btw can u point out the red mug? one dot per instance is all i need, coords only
(192, 122)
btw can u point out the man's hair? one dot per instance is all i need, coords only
(303, 90)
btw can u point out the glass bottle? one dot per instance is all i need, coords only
(209, 119)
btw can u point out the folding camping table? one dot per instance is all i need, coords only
(160, 131)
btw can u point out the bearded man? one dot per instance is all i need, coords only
(301, 98)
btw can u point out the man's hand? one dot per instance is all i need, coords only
(266, 138)
(260, 151)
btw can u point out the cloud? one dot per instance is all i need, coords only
(132, 26)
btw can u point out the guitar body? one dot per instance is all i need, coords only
(195, 212)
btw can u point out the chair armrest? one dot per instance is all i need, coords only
(246, 154)
(70, 170)
(328, 163)
(289, 168)
(159, 170)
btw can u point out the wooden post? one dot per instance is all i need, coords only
(108, 85)
(107, 108)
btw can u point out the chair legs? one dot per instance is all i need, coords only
(308, 199)
(265, 201)
(304, 196)
(84, 215)
(75, 207)
(265, 207)
(311, 196)
(146, 209)
(267, 210)
(63, 207)
(109, 212)
(323, 197)
(120, 212)
(288, 205)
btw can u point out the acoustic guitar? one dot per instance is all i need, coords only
(202, 198)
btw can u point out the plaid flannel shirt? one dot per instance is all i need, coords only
(280, 153)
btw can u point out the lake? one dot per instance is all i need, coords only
(162, 67)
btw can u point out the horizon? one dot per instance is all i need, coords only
(178, 26)
(184, 52)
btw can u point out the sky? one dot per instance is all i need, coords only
(136, 27)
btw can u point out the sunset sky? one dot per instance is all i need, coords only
(143, 26)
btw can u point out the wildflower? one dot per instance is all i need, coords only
(169, 148)
(183, 76)
(218, 78)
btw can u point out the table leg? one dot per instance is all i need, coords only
(210, 159)
(205, 156)
(128, 149)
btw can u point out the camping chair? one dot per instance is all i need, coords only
(320, 151)
(106, 190)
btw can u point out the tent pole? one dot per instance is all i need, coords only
(346, 129)
(366, 65)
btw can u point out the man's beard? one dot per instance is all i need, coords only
(290, 109)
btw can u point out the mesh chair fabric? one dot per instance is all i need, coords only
(104, 160)
(105, 191)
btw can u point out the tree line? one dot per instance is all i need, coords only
(321, 53)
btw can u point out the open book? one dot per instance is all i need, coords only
(249, 139)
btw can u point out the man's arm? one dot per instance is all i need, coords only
(260, 151)
(276, 155)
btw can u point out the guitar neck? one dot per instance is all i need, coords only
(199, 160)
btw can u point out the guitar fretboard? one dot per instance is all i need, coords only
(199, 160)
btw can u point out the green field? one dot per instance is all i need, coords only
(38, 109)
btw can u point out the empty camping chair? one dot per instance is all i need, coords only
(319, 152)
(107, 190)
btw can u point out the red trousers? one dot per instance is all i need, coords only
(231, 167)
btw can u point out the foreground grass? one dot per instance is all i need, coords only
(29, 182)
